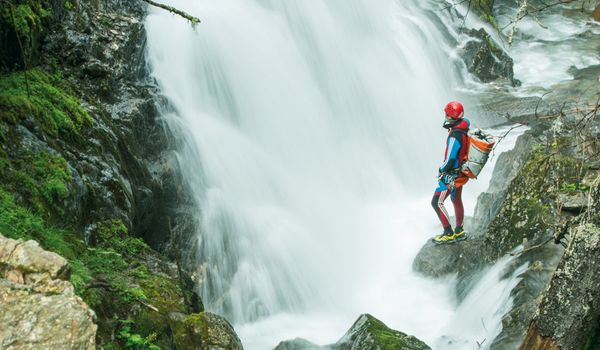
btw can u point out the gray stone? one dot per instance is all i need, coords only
(575, 201)
(30, 258)
(39, 309)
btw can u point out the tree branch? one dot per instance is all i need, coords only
(193, 20)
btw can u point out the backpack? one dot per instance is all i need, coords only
(479, 147)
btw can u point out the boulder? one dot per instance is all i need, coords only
(299, 344)
(596, 14)
(573, 201)
(204, 331)
(39, 307)
(30, 258)
(367, 333)
(485, 60)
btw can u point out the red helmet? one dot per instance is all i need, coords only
(454, 110)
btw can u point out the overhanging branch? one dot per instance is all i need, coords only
(192, 19)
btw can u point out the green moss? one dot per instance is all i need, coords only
(116, 260)
(390, 339)
(189, 333)
(68, 5)
(46, 97)
(18, 222)
(41, 178)
(23, 23)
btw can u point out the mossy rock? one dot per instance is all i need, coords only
(204, 331)
(369, 333)
(46, 97)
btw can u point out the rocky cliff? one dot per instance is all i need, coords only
(87, 168)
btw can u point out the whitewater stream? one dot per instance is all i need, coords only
(312, 137)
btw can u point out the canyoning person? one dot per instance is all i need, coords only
(450, 177)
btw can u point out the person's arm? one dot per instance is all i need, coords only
(452, 156)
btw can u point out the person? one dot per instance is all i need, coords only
(450, 178)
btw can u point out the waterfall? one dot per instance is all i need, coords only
(313, 134)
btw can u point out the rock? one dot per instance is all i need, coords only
(573, 202)
(367, 333)
(205, 331)
(596, 14)
(299, 344)
(485, 59)
(30, 258)
(506, 169)
(39, 308)
(569, 314)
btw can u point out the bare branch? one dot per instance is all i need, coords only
(193, 20)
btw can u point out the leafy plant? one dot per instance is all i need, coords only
(136, 341)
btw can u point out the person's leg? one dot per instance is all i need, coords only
(459, 210)
(437, 202)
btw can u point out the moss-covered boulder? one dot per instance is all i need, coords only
(299, 344)
(369, 333)
(205, 331)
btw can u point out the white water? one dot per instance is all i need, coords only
(313, 138)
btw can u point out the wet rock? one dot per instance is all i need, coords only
(205, 331)
(485, 59)
(299, 344)
(596, 14)
(39, 308)
(569, 313)
(367, 333)
(506, 169)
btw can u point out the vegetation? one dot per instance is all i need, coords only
(390, 339)
(109, 266)
(23, 23)
(45, 97)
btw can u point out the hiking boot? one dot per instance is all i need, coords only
(459, 233)
(446, 237)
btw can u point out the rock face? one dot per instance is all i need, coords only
(39, 307)
(485, 59)
(569, 315)
(205, 331)
(87, 167)
(367, 333)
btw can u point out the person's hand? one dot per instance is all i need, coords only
(448, 180)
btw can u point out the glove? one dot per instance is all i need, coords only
(448, 180)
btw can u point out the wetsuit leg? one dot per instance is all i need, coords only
(437, 202)
(459, 210)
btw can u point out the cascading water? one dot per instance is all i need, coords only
(313, 136)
